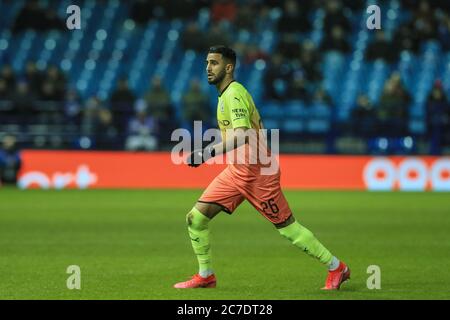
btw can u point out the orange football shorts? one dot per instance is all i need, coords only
(231, 187)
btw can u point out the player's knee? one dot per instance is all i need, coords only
(196, 220)
(189, 218)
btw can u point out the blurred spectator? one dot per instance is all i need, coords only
(89, 118)
(245, 17)
(272, 3)
(437, 117)
(424, 13)
(33, 16)
(249, 53)
(363, 118)
(57, 81)
(196, 105)
(50, 92)
(143, 10)
(446, 138)
(425, 24)
(158, 102)
(444, 32)
(123, 93)
(122, 104)
(184, 9)
(310, 61)
(381, 48)
(254, 53)
(443, 5)
(34, 77)
(218, 34)
(5, 101)
(97, 124)
(335, 17)
(278, 77)
(8, 75)
(52, 21)
(29, 16)
(223, 10)
(23, 101)
(193, 38)
(321, 96)
(5, 92)
(289, 46)
(298, 89)
(72, 108)
(105, 131)
(294, 17)
(392, 111)
(49, 106)
(405, 38)
(264, 14)
(336, 42)
(240, 47)
(399, 87)
(142, 131)
(10, 160)
(354, 5)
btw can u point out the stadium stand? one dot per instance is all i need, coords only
(315, 72)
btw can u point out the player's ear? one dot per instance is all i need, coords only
(229, 68)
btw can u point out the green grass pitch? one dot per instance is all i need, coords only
(133, 244)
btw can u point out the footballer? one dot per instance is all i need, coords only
(245, 180)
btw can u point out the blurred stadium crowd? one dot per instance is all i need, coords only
(135, 71)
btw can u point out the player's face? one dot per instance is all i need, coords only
(215, 68)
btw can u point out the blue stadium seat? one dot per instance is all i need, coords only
(110, 45)
(270, 123)
(295, 109)
(293, 126)
(318, 125)
(271, 111)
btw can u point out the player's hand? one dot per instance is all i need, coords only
(199, 156)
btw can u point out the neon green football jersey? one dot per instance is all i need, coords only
(236, 109)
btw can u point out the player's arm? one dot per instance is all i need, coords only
(234, 139)
(240, 119)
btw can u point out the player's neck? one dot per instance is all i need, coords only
(223, 85)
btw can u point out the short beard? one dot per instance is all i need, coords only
(218, 79)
